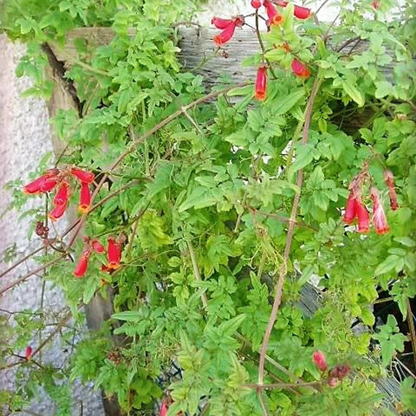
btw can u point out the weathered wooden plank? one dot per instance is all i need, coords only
(198, 52)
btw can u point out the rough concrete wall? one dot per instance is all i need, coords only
(24, 139)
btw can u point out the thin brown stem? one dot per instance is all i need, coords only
(18, 263)
(289, 238)
(22, 279)
(321, 6)
(262, 45)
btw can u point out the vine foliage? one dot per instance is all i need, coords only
(209, 212)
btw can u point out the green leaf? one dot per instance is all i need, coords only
(286, 104)
(129, 316)
(304, 156)
(231, 326)
(353, 92)
(384, 88)
(200, 197)
(241, 91)
(367, 317)
(387, 265)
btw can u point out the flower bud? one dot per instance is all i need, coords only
(320, 360)
(332, 382)
(28, 353)
(340, 371)
(256, 3)
(97, 246)
(389, 180)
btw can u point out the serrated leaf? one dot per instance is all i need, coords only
(387, 265)
(286, 104)
(353, 92)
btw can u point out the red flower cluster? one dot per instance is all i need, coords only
(90, 246)
(274, 18)
(300, 12)
(228, 26)
(60, 179)
(339, 372)
(355, 207)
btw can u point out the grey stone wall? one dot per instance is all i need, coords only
(24, 139)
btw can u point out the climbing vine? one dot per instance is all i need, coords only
(203, 216)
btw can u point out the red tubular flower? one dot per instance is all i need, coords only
(97, 246)
(320, 360)
(256, 3)
(83, 175)
(61, 197)
(57, 212)
(379, 216)
(389, 180)
(113, 254)
(261, 83)
(275, 18)
(225, 35)
(300, 70)
(163, 409)
(362, 215)
(84, 198)
(350, 209)
(302, 12)
(48, 184)
(220, 23)
(28, 353)
(82, 265)
(44, 183)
